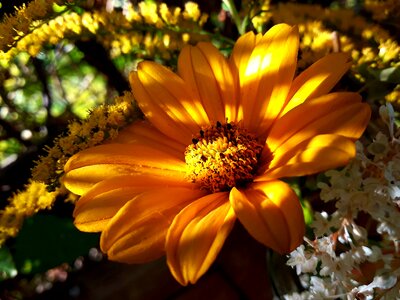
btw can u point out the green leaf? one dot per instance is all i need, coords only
(388, 75)
(308, 212)
(224, 6)
(391, 75)
(7, 266)
(46, 241)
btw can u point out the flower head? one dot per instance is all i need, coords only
(218, 136)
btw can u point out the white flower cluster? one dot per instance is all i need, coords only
(356, 253)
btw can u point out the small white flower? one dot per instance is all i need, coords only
(295, 296)
(387, 115)
(394, 192)
(376, 254)
(322, 224)
(379, 147)
(368, 191)
(380, 282)
(305, 262)
(345, 264)
(361, 254)
(325, 244)
(328, 265)
(321, 288)
(353, 233)
(327, 192)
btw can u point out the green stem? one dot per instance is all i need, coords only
(240, 24)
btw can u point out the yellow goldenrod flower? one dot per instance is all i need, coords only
(218, 136)
(394, 97)
(135, 29)
(102, 124)
(323, 30)
(192, 11)
(259, 13)
(16, 26)
(148, 10)
(23, 204)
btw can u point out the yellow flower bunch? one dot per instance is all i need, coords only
(258, 12)
(26, 203)
(326, 30)
(171, 29)
(102, 124)
(14, 27)
(394, 96)
(317, 41)
(133, 29)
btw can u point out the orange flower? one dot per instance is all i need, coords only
(218, 135)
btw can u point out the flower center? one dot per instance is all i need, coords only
(222, 156)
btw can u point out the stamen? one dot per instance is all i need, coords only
(222, 156)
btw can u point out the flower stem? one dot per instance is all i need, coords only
(240, 24)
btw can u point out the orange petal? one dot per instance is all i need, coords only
(96, 207)
(317, 154)
(109, 160)
(164, 99)
(209, 77)
(242, 50)
(336, 113)
(196, 236)
(142, 132)
(318, 79)
(239, 59)
(136, 234)
(271, 213)
(266, 81)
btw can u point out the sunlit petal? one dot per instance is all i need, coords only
(271, 213)
(238, 60)
(196, 236)
(242, 50)
(137, 232)
(210, 79)
(322, 152)
(338, 113)
(96, 207)
(318, 79)
(164, 99)
(92, 165)
(266, 80)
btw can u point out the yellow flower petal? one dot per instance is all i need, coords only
(137, 232)
(319, 153)
(338, 113)
(95, 208)
(164, 99)
(142, 132)
(92, 165)
(318, 79)
(271, 213)
(241, 52)
(196, 236)
(266, 81)
(209, 77)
